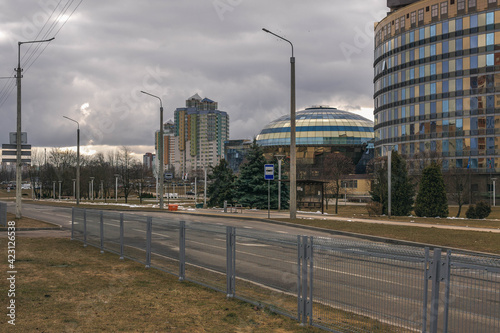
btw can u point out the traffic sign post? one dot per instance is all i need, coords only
(269, 175)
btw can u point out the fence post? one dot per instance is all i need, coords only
(304, 256)
(445, 274)
(101, 229)
(85, 227)
(309, 310)
(300, 250)
(230, 260)
(149, 230)
(435, 278)
(182, 250)
(426, 288)
(72, 223)
(121, 237)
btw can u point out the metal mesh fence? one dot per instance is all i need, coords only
(77, 230)
(474, 294)
(206, 255)
(366, 282)
(134, 237)
(111, 234)
(333, 283)
(165, 246)
(93, 218)
(266, 270)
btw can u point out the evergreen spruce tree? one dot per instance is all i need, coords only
(251, 188)
(431, 199)
(222, 186)
(402, 189)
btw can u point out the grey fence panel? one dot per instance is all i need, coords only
(206, 255)
(266, 270)
(93, 227)
(165, 246)
(111, 231)
(474, 296)
(3, 214)
(134, 237)
(77, 224)
(335, 284)
(355, 280)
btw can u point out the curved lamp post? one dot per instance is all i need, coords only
(293, 156)
(160, 149)
(18, 130)
(77, 160)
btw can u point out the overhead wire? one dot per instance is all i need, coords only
(33, 52)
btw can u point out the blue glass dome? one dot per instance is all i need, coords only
(318, 125)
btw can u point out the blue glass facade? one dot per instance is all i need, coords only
(437, 83)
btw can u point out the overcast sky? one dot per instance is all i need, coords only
(107, 51)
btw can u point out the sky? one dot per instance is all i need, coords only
(106, 52)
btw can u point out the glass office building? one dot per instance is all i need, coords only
(437, 83)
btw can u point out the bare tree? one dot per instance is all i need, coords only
(125, 165)
(335, 167)
(457, 183)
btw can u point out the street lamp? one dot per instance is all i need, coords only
(77, 160)
(160, 148)
(116, 187)
(293, 158)
(18, 132)
(494, 194)
(92, 188)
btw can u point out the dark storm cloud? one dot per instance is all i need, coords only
(108, 51)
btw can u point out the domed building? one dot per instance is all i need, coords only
(320, 130)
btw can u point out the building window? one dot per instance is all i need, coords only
(460, 4)
(413, 18)
(434, 11)
(397, 24)
(472, 3)
(444, 8)
(420, 15)
(492, 1)
(402, 19)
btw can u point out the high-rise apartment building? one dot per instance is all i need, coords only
(168, 145)
(200, 132)
(437, 84)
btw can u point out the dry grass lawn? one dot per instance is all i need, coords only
(63, 287)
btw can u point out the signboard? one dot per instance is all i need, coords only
(269, 172)
(11, 150)
(13, 138)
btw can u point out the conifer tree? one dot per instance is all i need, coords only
(251, 187)
(431, 199)
(402, 188)
(222, 186)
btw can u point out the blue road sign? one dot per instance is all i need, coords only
(269, 172)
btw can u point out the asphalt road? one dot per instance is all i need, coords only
(369, 278)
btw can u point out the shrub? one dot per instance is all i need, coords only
(374, 208)
(480, 211)
(471, 212)
(483, 209)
